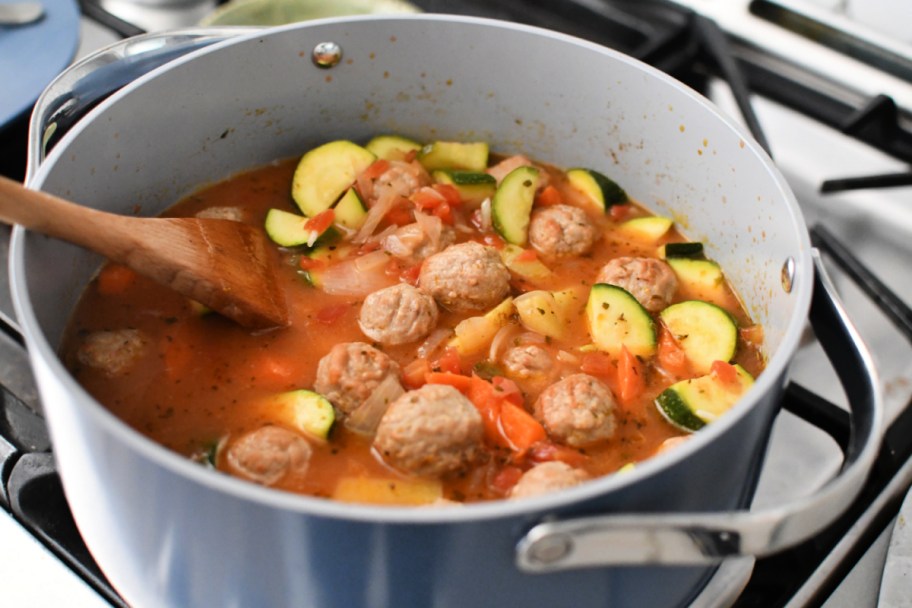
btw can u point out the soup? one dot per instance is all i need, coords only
(465, 326)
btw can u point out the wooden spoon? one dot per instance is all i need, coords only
(219, 263)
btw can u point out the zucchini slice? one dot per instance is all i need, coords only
(467, 156)
(617, 319)
(512, 204)
(350, 210)
(473, 186)
(530, 270)
(601, 190)
(326, 172)
(391, 147)
(649, 229)
(692, 404)
(699, 279)
(306, 411)
(705, 331)
(688, 249)
(328, 254)
(286, 228)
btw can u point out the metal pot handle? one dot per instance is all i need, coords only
(90, 80)
(709, 538)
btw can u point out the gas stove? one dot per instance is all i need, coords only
(826, 87)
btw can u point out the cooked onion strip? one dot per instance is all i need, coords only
(433, 342)
(366, 418)
(358, 276)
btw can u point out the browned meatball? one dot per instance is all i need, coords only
(350, 372)
(578, 410)
(547, 477)
(561, 231)
(528, 361)
(430, 431)
(398, 314)
(412, 244)
(268, 454)
(465, 277)
(112, 352)
(652, 282)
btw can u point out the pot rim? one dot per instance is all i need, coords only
(772, 376)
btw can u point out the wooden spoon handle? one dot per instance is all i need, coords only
(102, 232)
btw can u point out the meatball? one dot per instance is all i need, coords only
(269, 453)
(561, 231)
(652, 282)
(112, 352)
(547, 477)
(578, 410)
(412, 243)
(235, 214)
(527, 361)
(430, 431)
(465, 277)
(398, 314)
(350, 372)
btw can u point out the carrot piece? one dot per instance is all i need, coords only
(724, 371)
(545, 451)
(415, 373)
(507, 390)
(505, 479)
(457, 381)
(115, 279)
(450, 194)
(549, 196)
(670, 355)
(631, 376)
(520, 428)
(481, 394)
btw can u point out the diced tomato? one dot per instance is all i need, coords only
(508, 390)
(549, 196)
(457, 381)
(631, 376)
(376, 169)
(725, 372)
(427, 198)
(306, 263)
(415, 373)
(598, 364)
(449, 361)
(445, 212)
(330, 314)
(545, 451)
(450, 194)
(400, 215)
(505, 479)
(619, 213)
(321, 221)
(411, 155)
(520, 428)
(528, 255)
(115, 279)
(410, 275)
(670, 355)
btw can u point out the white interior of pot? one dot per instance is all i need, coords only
(567, 102)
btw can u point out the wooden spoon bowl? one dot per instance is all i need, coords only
(220, 263)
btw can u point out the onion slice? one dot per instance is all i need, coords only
(366, 418)
(358, 276)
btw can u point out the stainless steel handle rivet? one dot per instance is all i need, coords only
(550, 548)
(788, 274)
(327, 54)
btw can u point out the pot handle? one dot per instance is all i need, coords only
(709, 538)
(86, 83)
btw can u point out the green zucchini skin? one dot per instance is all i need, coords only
(391, 147)
(617, 319)
(350, 210)
(473, 186)
(466, 156)
(690, 249)
(601, 189)
(706, 332)
(286, 228)
(511, 206)
(325, 173)
(309, 411)
(692, 404)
